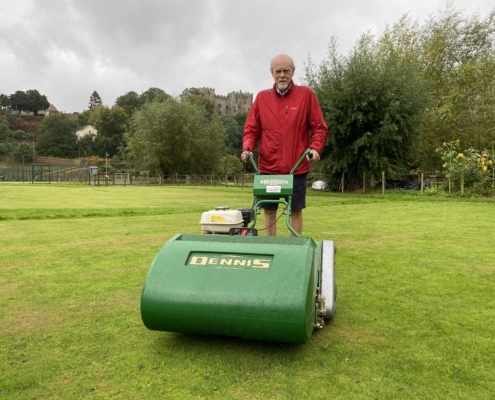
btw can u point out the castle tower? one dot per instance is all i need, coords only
(231, 104)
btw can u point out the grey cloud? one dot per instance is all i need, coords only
(68, 48)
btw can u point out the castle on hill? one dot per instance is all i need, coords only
(231, 104)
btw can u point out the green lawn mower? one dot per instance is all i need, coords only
(230, 281)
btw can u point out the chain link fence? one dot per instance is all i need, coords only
(46, 173)
(80, 174)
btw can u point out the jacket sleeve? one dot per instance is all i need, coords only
(252, 129)
(317, 124)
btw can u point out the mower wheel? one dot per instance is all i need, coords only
(328, 283)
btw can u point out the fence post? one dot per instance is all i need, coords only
(98, 179)
(462, 183)
(422, 182)
(342, 182)
(226, 181)
(364, 182)
(383, 182)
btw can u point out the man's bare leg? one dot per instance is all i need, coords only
(296, 220)
(270, 225)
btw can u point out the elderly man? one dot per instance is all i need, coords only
(281, 120)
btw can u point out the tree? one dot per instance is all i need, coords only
(151, 93)
(233, 134)
(241, 117)
(57, 137)
(86, 146)
(161, 98)
(85, 118)
(31, 100)
(130, 102)
(231, 165)
(94, 101)
(192, 91)
(196, 97)
(175, 137)
(206, 104)
(4, 128)
(36, 101)
(458, 62)
(4, 101)
(19, 101)
(372, 101)
(111, 123)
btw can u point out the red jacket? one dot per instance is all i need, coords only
(282, 125)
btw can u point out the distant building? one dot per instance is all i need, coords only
(86, 130)
(50, 110)
(231, 104)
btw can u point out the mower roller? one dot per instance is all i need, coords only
(229, 281)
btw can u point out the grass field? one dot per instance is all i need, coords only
(415, 317)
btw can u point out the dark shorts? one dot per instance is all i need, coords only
(298, 196)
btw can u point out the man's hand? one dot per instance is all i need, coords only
(316, 156)
(244, 156)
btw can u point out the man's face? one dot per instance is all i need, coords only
(282, 72)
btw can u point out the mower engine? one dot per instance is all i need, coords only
(222, 220)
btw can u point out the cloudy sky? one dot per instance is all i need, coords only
(68, 48)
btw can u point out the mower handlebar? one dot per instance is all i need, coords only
(249, 155)
(307, 152)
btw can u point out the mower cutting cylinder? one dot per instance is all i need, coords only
(264, 288)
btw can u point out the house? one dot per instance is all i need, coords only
(86, 130)
(50, 110)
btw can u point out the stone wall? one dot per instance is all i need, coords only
(231, 104)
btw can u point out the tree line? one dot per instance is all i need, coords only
(30, 100)
(137, 129)
(394, 99)
(389, 103)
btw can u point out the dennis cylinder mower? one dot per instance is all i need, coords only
(230, 281)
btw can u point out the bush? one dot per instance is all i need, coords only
(471, 165)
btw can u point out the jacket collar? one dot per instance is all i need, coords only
(292, 84)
